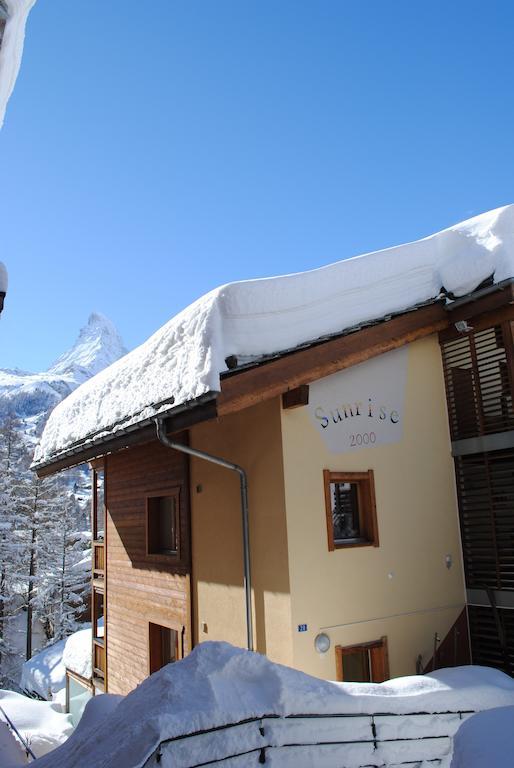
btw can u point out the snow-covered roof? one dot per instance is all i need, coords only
(182, 362)
(11, 48)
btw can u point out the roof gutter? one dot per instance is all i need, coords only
(243, 480)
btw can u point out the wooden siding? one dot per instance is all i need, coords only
(478, 372)
(143, 588)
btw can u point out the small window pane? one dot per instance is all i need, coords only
(162, 525)
(99, 517)
(356, 667)
(345, 511)
(98, 615)
(163, 646)
(78, 696)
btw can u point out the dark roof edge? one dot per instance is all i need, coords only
(178, 417)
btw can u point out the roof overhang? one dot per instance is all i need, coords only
(250, 384)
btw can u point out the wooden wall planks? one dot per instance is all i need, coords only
(143, 588)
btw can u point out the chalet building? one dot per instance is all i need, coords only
(344, 505)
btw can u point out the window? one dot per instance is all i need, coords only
(98, 505)
(98, 615)
(163, 646)
(78, 692)
(162, 524)
(365, 663)
(350, 509)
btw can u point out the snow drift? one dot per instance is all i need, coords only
(185, 358)
(39, 723)
(218, 684)
(486, 740)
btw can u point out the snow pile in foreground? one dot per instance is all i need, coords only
(11, 752)
(43, 728)
(486, 740)
(12, 49)
(218, 684)
(185, 358)
(45, 672)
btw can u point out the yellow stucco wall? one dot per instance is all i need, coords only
(252, 439)
(401, 589)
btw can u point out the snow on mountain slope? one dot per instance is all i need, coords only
(33, 395)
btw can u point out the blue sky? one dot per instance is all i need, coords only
(153, 151)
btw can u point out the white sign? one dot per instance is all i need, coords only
(362, 406)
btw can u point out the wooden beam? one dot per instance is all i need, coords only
(294, 398)
(466, 309)
(478, 322)
(271, 379)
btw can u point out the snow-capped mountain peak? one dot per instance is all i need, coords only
(98, 345)
(31, 396)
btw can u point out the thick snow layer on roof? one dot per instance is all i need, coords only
(218, 684)
(37, 721)
(12, 49)
(486, 740)
(185, 358)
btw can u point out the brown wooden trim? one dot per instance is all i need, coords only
(368, 521)
(294, 398)
(163, 556)
(154, 650)
(379, 658)
(254, 385)
(328, 510)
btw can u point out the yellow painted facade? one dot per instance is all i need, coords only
(401, 589)
(252, 439)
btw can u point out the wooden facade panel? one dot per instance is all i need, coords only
(143, 588)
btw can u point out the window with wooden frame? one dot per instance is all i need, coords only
(364, 663)
(98, 504)
(78, 692)
(163, 646)
(350, 509)
(163, 524)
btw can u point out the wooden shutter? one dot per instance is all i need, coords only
(476, 368)
(486, 649)
(485, 484)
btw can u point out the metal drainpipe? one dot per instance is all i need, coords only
(161, 434)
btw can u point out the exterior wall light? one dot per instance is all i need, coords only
(322, 642)
(3, 284)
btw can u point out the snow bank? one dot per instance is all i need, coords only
(45, 672)
(77, 652)
(12, 49)
(185, 358)
(43, 728)
(486, 740)
(11, 753)
(218, 684)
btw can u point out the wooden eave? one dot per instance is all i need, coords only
(250, 385)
